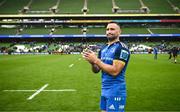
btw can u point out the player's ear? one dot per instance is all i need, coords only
(120, 30)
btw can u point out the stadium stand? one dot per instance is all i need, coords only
(41, 7)
(52, 22)
(165, 30)
(175, 8)
(91, 6)
(67, 31)
(129, 6)
(35, 31)
(67, 7)
(94, 6)
(96, 31)
(159, 7)
(90, 30)
(9, 7)
(85, 8)
(8, 31)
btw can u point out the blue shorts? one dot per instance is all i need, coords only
(113, 103)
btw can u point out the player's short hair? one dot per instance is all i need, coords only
(114, 23)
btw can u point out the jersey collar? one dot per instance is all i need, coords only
(113, 43)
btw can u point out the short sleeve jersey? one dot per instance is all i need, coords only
(114, 85)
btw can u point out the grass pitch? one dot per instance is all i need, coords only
(152, 85)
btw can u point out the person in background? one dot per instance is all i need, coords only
(175, 51)
(155, 52)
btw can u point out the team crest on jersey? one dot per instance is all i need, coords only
(124, 55)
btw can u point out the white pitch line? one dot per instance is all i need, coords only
(71, 65)
(61, 90)
(164, 28)
(37, 92)
(45, 90)
(19, 90)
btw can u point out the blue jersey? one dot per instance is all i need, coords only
(114, 85)
(155, 50)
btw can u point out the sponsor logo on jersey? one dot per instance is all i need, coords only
(121, 107)
(112, 107)
(107, 58)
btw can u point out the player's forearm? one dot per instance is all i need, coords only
(95, 68)
(107, 68)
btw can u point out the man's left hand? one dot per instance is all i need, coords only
(90, 56)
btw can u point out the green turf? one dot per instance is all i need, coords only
(151, 84)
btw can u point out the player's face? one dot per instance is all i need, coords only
(112, 31)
